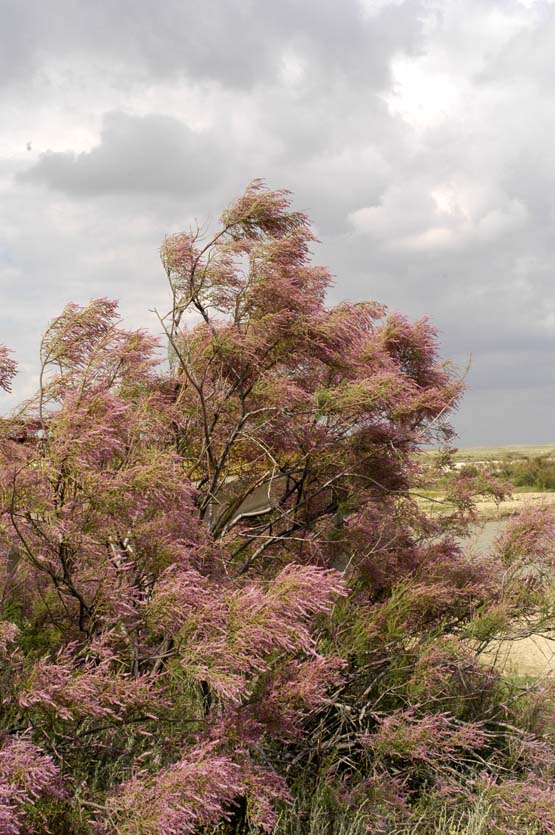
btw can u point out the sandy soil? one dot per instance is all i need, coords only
(488, 509)
(533, 656)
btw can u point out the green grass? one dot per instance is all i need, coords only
(319, 823)
(476, 821)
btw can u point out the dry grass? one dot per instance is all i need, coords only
(487, 508)
(498, 453)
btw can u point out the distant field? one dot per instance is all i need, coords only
(495, 453)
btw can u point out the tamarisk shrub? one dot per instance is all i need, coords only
(131, 655)
(299, 428)
(7, 368)
(178, 648)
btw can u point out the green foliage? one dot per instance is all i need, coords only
(519, 468)
(538, 473)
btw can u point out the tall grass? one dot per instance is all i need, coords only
(476, 821)
(479, 820)
(318, 821)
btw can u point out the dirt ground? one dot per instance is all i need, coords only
(488, 509)
(533, 656)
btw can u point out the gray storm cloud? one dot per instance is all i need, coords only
(418, 136)
(150, 154)
(238, 42)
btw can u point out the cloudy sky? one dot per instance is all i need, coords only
(419, 136)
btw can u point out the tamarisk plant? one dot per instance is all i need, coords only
(131, 656)
(217, 584)
(290, 411)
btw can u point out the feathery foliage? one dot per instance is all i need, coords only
(218, 592)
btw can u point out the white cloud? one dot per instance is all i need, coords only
(423, 97)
